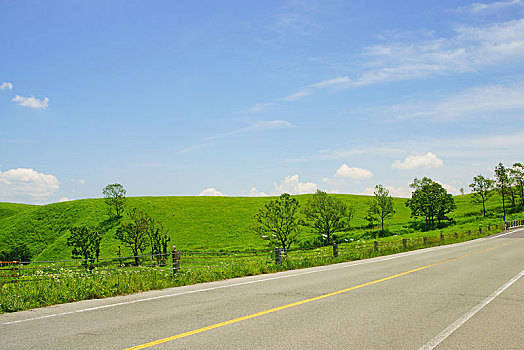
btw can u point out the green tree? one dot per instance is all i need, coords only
(381, 207)
(517, 173)
(482, 190)
(502, 184)
(158, 240)
(115, 198)
(277, 222)
(327, 215)
(430, 201)
(135, 233)
(85, 241)
(19, 252)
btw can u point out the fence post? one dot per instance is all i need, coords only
(176, 260)
(469, 232)
(375, 243)
(405, 243)
(425, 240)
(441, 237)
(456, 235)
(278, 256)
(489, 227)
(335, 250)
(480, 230)
(496, 226)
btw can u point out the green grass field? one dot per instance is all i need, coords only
(202, 223)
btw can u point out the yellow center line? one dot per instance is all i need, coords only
(261, 313)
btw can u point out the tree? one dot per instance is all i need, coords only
(158, 240)
(381, 207)
(85, 241)
(135, 233)
(517, 173)
(115, 197)
(481, 188)
(19, 252)
(277, 222)
(431, 201)
(327, 215)
(502, 182)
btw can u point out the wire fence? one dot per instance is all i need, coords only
(176, 261)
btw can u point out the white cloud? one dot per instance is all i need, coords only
(210, 192)
(78, 181)
(296, 96)
(27, 185)
(64, 199)
(473, 103)
(258, 107)
(353, 173)
(450, 188)
(400, 192)
(292, 185)
(335, 82)
(31, 102)
(478, 7)
(262, 125)
(429, 160)
(255, 193)
(6, 86)
(193, 148)
(470, 49)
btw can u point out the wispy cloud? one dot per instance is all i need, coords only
(469, 49)
(193, 148)
(481, 8)
(474, 103)
(259, 107)
(334, 82)
(344, 153)
(6, 86)
(474, 148)
(31, 102)
(295, 20)
(262, 125)
(296, 96)
(258, 126)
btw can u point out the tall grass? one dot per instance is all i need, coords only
(67, 283)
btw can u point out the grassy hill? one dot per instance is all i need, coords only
(194, 223)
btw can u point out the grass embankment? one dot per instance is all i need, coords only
(197, 223)
(68, 284)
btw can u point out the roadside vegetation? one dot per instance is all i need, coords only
(92, 234)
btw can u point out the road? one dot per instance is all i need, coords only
(463, 296)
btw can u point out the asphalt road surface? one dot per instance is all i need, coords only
(463, 296)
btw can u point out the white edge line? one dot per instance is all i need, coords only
(507, 233)
(459, 322)
(335, 267)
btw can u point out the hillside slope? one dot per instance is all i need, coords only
(194, 223)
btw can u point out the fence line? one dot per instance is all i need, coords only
(16, 271)
(513, 224)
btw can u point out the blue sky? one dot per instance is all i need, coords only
(245, 98)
